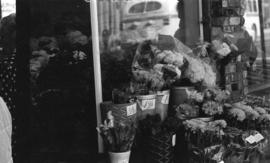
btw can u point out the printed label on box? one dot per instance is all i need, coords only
(173, 140)
(165, 99)
(131, 110)
(148, 104)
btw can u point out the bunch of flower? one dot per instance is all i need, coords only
(265, 118)
(196, 125)
(204, 133)
(157, 68)
(209, 76)
(216, 94)
(195, 70)
(212, 108)
(238, 114)
(195, 96)
(264, 121)
(250, 112)
(152, 79)
(170, 57)
(118, 137)
(260, 110)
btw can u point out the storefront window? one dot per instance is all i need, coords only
(123, 25)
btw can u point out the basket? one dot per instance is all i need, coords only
(120, 112)
(146, 105)
(162, 103)
(159, 148)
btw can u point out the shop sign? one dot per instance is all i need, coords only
(165, 99)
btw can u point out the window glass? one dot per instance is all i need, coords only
(254, 6)
(137, 8)
(152, 6)
(249, 6)
(258, 75)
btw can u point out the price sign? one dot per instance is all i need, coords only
(148, 104)
(131, 110)
(165, 99)
(258, 137)
(250, 139)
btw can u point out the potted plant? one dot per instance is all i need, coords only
(118, 139)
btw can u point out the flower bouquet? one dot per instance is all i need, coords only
(118, 139)
(214, 100)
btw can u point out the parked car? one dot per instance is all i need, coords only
(162, 15)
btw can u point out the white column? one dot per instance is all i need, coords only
(97, 68)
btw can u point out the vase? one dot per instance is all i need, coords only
(162, 103)
(179, 95)
(121, 157)
(146, 105)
